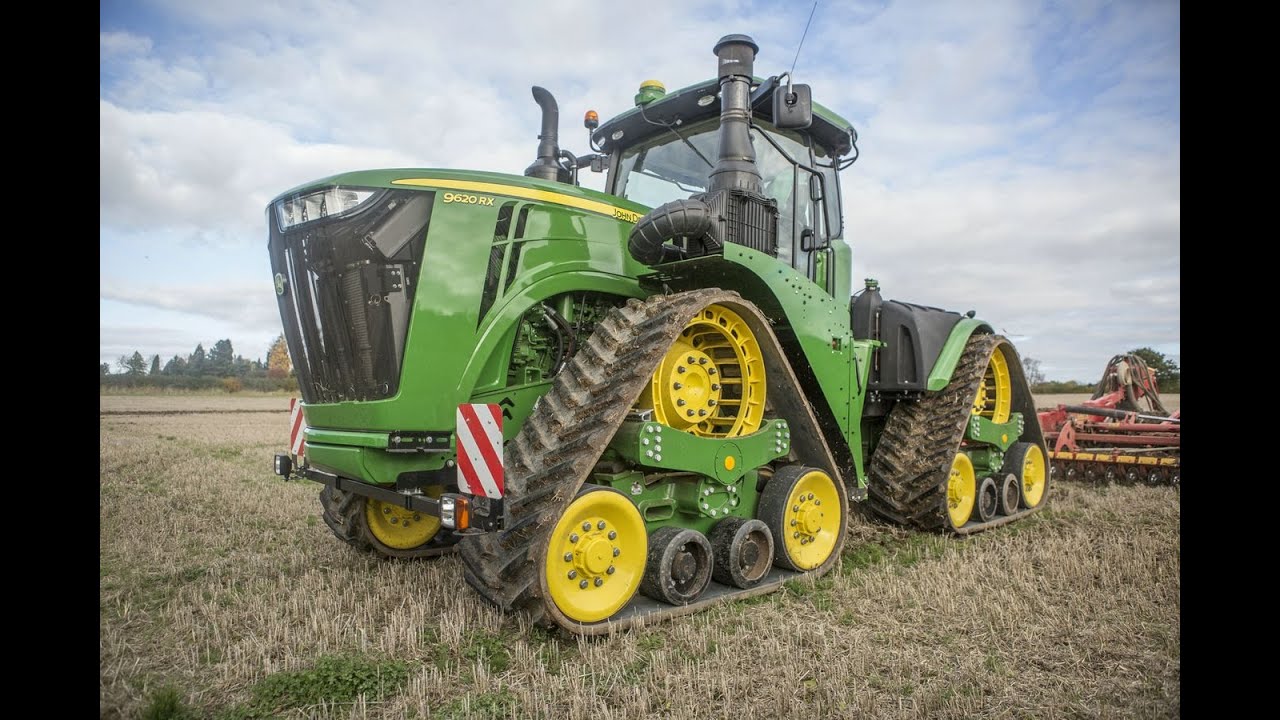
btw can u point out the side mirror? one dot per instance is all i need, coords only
(792, 107)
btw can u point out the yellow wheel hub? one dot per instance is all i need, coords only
(711, 382)
(398, 527)
(596, 556)
(812, 520)
(994, 395)
(1033, 476)
(962, 490)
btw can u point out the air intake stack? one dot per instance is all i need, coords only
(733, 210)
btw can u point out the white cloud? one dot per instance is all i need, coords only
(1020, 159)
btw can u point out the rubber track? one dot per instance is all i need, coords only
(559, 444)
(907, 479)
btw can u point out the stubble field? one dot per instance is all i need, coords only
(223, 595)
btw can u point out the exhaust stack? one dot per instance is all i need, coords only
(547, 165)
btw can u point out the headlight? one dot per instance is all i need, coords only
(299, 209)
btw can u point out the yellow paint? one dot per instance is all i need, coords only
(398, 527)
(1033, 476)
(653, 84)
(962, 490)
(995, 394)
(729, 462)
(813, 520)
(526, 194)
(711, 382)
(580, 544)
(1129, 459)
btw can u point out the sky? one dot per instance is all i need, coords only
(1018, 158)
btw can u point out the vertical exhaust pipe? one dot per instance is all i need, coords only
(547, 166)
(735, 167)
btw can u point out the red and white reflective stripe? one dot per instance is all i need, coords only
(480, 450)
(296, 443)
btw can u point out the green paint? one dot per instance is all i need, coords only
(649, 445)
(1001, 435)
(952, 350)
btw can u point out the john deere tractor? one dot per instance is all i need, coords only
(627, 405)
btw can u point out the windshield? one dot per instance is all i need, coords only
(670, 168)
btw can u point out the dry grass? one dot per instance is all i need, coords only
(218, 580)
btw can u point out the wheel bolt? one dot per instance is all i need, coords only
(568, 557)
(702, 413)
(680, 403)
(573, 574)
(573, 538)
(817, 502)
(416, 517)
(613, 535)
(691, 360)
(689, 413)
(394, 521)
(810, 496)
(586, 526)
(611, 570)
(795, 508)
(795, 535)
(599, 582)
(680, 369)
(678, 386)
(714, 386)
(386, 511)
(600, 525)
(711, 371)
(793, 524)
(617, 552)
(702, 361)
(583, 584)
(711, 402)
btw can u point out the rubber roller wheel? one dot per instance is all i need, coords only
(1010, 495)
(988, 499)
(743, 551)
(678, 567)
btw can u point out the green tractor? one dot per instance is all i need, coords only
(627, 405)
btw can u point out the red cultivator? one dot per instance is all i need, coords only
(1122, 433)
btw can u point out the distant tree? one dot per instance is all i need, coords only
(177, 365)
(155, 365)
(278, 363)
(1031, 366)
(197, 361)
(1168, 374)
(134, 364)
(105, 369)
(222, 358)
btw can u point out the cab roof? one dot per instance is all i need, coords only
(681, 108)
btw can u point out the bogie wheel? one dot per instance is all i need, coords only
(385, 529)
(962, 491)
(988, 499)
(596, 555)
(1026, 462)
(1010, 495)
(711, 382)
(805, 510)
(678, 567)
(743, 551)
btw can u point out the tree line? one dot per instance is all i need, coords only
(219, 368)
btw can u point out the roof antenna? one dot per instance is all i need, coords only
(791, 95)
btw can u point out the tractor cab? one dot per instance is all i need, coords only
(666, 147)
